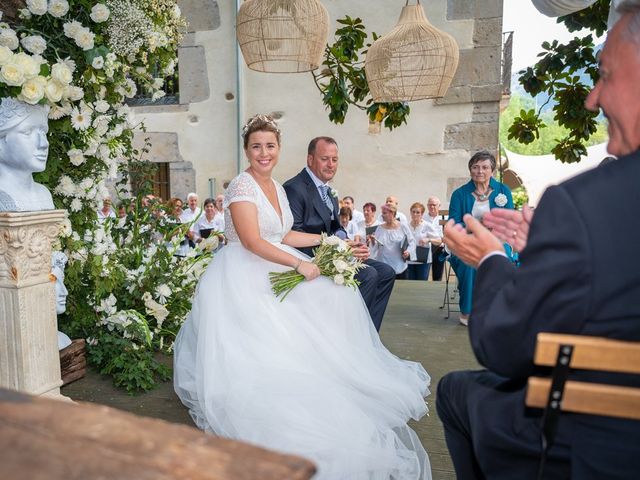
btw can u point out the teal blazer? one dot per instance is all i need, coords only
(461, 203)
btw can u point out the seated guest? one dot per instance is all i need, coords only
(207, 223)
(393, 242)
(419, 270)
(346, 220)
(393, 202)
(106, 211)
(434, 232)
(476, 197)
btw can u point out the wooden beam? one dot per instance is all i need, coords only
(47, 439)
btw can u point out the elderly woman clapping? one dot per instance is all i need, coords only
(477, 197)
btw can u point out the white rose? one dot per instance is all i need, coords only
(73, 93)
(5, 55)
(99, 13)
(58, 8)
(8, 38)
(12, 75)
(332, 240)
(75, 157)
(33, 90)
(30, 66)
(37, 7)
(501, 200)
(340, 265)
(97, 63)
(84, 39)
(338, 279)
(71, 29)
(34, 44)
(101, 106)
(54, 91)
(61, 73)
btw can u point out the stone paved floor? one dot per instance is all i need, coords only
(414, 328)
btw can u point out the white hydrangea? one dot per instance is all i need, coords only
(37, 7)
(58, 8)
(8, 38)
(76, 157)
(99, 13)
(34, 44)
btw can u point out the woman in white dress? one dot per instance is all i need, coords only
(293, 376)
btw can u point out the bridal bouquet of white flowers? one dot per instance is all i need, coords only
(335, 260)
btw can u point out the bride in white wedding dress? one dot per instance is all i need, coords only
(307, 375)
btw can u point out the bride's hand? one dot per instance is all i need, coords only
(308, 270)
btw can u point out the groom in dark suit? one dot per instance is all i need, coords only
(315, 210)
(579, 274)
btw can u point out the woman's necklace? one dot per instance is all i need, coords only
(482, 196)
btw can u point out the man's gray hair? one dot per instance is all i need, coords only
(192, 194)
(631, 7)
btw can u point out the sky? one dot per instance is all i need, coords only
(530, 28)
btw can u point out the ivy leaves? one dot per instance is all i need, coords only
(557, 74)
(342, 81)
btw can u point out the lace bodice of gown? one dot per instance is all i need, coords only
(244, 188)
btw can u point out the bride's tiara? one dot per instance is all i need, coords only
(260, 118)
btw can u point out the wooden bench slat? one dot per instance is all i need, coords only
(584, 397)
(590, 353)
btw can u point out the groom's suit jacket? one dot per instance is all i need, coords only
(310, 213)
(579, 274)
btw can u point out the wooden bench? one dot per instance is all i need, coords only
(53, 440)
(566, 352)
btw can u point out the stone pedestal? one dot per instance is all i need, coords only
(29, 358)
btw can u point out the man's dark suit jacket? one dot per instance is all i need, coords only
(579, 274)
(310, 214)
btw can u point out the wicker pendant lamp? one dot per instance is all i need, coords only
(282, 36)
(412, 62)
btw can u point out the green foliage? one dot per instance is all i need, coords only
(343, 83)
(556, 74)
(520, 197)
(550, 135)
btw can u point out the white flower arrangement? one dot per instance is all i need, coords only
(501, 200)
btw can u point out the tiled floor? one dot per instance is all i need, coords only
(414, 328)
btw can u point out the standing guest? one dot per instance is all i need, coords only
(207, 221)
(356, 215)
(393, 201)
(122, 211)
(476, 197)
(220, 210)
(370, 219)
(434, 232)
(393, 242)
(106, 211)
(174, 214)
(419, 270)
(563, 285)
(315, 210)
(190, 214)
(346, 221)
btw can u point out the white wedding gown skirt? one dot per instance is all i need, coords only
(307, 375)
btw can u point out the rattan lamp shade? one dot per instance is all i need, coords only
(412, 62)
(282, 36)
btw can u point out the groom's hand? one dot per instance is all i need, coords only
(359, 249)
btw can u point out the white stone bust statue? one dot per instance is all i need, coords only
(23, 150)
(58, 263)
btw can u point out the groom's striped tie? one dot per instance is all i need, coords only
(324, 193)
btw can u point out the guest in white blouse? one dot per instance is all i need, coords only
(420, 229)
(209, 221)
(370, 220)
(434, 229)
(220, 210)
(106, 211)
(356, 215)
(393, 202)
(393, 242)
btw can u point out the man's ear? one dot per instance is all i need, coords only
(309, 160)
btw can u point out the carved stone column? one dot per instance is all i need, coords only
(29, 358)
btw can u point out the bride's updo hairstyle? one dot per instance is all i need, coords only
(260, 123)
